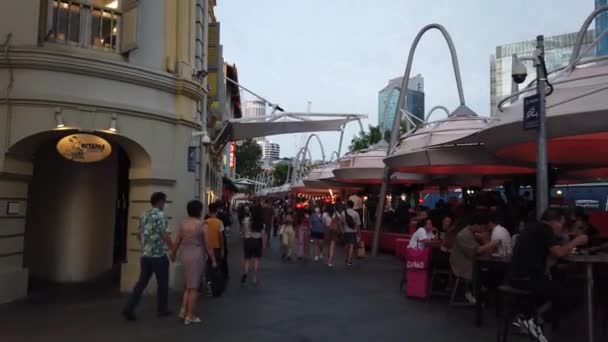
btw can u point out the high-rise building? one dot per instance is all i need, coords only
(558, 50)
(270, 151)
(255, 109)
(601, 25)
(390, 93)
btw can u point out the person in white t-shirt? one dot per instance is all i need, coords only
(352, 230)
(424, 236)
(500, 238)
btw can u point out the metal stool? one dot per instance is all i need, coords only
(514, 301)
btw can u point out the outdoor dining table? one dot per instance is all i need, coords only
(589, 261)
(480, 262)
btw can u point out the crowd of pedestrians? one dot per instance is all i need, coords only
(201, 247)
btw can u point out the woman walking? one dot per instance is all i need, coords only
(191, 238)
(331, 221)
(252, 231)
(303, 233)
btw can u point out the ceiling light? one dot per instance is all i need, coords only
(113, 4)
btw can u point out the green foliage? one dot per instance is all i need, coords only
(248, 157)
(367, 139)
(280, 173)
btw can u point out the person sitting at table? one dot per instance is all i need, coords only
(466, 248)
(500, 239)
(529, 270)
(424, 236)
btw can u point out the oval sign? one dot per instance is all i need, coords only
(84, 148)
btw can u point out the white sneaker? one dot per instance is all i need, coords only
(330, 265)
(193, 320)
(469, 296)
(316, 258)
(535, 330)
(520, 325)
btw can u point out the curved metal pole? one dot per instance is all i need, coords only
(297, 167)
(334, 153)
(320, 144)
(428, 115)
(341, 140)
(403, 104)
(581, 36)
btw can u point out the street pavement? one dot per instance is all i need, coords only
(298, 301)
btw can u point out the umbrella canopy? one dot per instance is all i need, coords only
(577, 122)
(366, 167)
(300, 187)
(322, 177)
(431, 149)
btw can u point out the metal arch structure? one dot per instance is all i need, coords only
(299, 162)
(428, 115)
(581, 36)
(334, 153)
(402, 104)
(320, 145)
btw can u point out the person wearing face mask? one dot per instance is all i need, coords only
(317, 232)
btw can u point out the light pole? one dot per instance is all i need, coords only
(519, 74)
(402, 103)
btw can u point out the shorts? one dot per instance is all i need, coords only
(333, 235)
(350, 238)
(252, 248)
(317, 235)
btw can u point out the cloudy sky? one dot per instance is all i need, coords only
(340, 53)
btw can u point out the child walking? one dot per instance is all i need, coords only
(288, 237)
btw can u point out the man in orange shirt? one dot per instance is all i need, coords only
(215, 234)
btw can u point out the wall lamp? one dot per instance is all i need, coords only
(59, 123)
(113, 124)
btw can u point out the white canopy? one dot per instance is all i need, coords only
(284, 123)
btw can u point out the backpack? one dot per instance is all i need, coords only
(316, 223)
(350, 221)
(334, 226)
(257, 220)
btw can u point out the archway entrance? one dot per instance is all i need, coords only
(77, 213)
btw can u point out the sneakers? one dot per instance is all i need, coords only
(316, 258)
(182, 313)
(330, 265)
(192, 320)
(470, 298)
(535, 330)
(520, 325)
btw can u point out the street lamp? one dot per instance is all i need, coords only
(519, 74)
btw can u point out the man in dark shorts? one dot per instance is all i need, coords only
(352, 226)
(529, 269)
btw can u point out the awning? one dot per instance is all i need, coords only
(283, 123)
(430, 150)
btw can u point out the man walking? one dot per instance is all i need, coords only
(154, 235)
(352, 226)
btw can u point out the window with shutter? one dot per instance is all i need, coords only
(84, 23)
(128, 37)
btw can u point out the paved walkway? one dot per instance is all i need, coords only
(303, 301)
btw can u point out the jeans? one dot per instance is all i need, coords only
(159, 266)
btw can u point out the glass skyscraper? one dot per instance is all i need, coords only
(390, 93)
(558, 50)
(601, 24)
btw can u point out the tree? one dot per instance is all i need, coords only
(367, 139)
(248, 156)
(280, 173)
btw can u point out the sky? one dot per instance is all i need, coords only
(340, 53)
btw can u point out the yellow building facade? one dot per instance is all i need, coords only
(119, 80)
